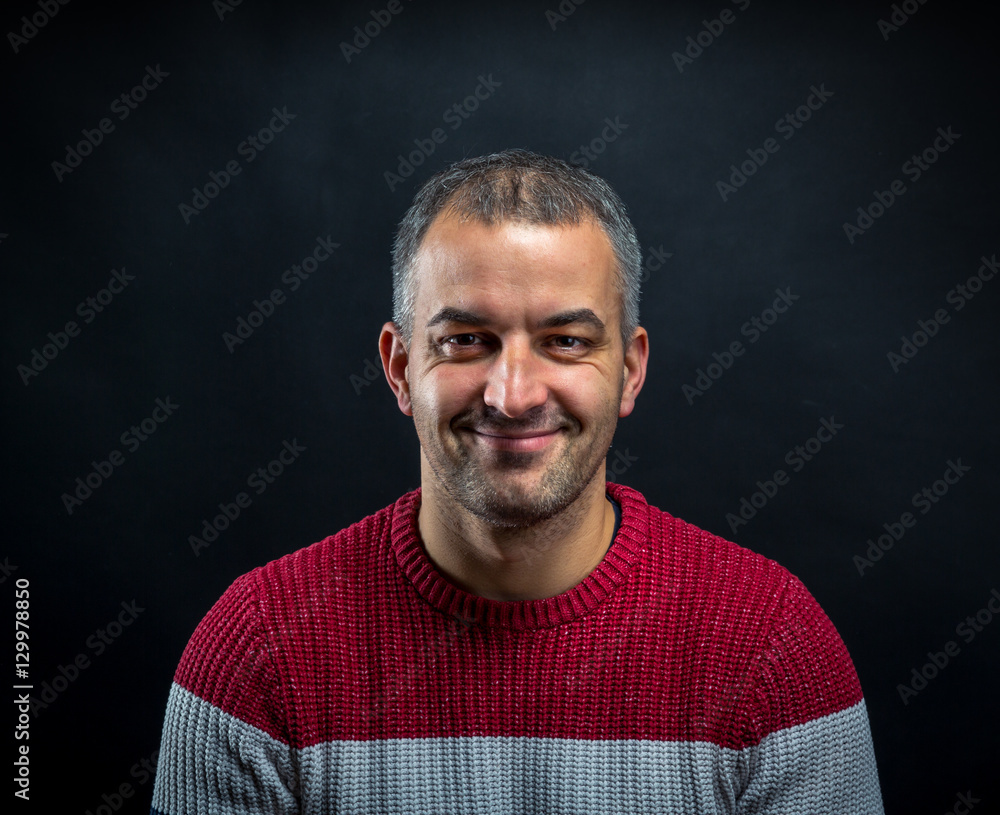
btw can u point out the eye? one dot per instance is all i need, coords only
(569, 343)
(464, 340)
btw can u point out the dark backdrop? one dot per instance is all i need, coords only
(116, 586)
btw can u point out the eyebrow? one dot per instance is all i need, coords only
(449, 314)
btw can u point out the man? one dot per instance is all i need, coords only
(518, 635)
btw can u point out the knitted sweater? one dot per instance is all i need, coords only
(684, 675)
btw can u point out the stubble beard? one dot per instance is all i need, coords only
(487, 484)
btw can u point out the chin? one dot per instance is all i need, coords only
(511, 516)
(521, 500)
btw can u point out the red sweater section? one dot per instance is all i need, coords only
(676, 635)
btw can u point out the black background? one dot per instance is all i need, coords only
(301, 375)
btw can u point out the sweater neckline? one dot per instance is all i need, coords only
(626, 550)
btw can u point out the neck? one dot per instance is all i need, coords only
(502, 563)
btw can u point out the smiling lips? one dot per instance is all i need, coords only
(517, 442)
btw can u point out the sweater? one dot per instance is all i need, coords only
(685, 674)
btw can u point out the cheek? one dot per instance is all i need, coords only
(586, 394)
(446, 392)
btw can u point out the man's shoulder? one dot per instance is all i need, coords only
(689, 552)
(724, 584)
(281, 601)
(747, 607)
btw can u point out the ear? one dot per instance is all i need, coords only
(395, 364)
(636, 357)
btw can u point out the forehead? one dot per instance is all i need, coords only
(515, 266)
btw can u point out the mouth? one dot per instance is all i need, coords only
(526, 442)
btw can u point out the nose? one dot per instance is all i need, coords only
(515, 382)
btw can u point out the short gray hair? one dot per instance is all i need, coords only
(517, 185)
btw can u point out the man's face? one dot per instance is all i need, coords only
(515, 370)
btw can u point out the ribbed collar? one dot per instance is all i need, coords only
(614, 570)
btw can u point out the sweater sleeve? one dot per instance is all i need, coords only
(814, 749)
(225, 745)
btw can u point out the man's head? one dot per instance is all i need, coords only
(509, 347)
(517, 185)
